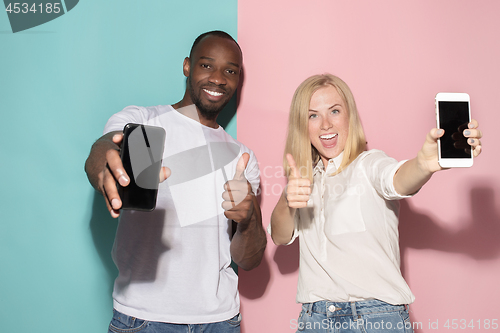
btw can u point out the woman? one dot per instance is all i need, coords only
(347, 221)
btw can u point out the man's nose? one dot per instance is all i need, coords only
(217, 77)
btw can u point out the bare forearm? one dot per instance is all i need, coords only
(282, 222)
(411, 176)
(249, 241)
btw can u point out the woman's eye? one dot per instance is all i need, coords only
(311, 116)
(335, 111)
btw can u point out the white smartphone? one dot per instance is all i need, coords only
(453, 116)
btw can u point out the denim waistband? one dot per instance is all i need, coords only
(351, 308)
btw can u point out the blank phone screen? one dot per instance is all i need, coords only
(453, 118)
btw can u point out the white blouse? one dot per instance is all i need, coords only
(348, 234)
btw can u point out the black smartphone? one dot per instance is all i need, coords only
(141, 155)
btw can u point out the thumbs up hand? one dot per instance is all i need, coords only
(298, 189)
(238, 195)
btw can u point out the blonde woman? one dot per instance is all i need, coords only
(341, 201)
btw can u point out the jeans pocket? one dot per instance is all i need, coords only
(235, 321)
(408, 327)
(393, 321)
(122, 323)
(301, 322)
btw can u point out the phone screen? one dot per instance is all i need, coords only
(141, 154)
(453, 118)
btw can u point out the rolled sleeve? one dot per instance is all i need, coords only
(380, 170)
(295, 233)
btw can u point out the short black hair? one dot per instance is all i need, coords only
(216, 33)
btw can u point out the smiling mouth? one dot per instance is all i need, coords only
(213, 93)
(327, 136)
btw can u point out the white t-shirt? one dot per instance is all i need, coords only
(348, 234)
(174, 262)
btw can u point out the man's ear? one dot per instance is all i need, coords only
(186, 66)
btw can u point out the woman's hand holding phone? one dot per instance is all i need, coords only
(473, 135)
(457, 146)
(428, 156)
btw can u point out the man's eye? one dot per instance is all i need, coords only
(230, 71)
(205, 66)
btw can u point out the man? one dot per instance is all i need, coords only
(174, 262)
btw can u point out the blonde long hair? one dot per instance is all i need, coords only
(298, 143)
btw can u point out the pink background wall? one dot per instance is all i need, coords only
(395, 55)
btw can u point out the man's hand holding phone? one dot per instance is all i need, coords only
(105, 170)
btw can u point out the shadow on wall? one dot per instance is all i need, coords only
(103, 230)
(479, 240)
(253, 284)
(228, 112)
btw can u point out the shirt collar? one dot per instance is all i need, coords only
(333, 164)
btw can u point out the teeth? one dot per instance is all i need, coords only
(328, 136)
(213, 93)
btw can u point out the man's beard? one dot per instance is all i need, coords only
(209, 112)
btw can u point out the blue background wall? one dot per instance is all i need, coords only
(60, 82)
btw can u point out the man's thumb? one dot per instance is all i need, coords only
(241, 166)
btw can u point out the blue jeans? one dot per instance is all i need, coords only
(122, 323)
(354, 317)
